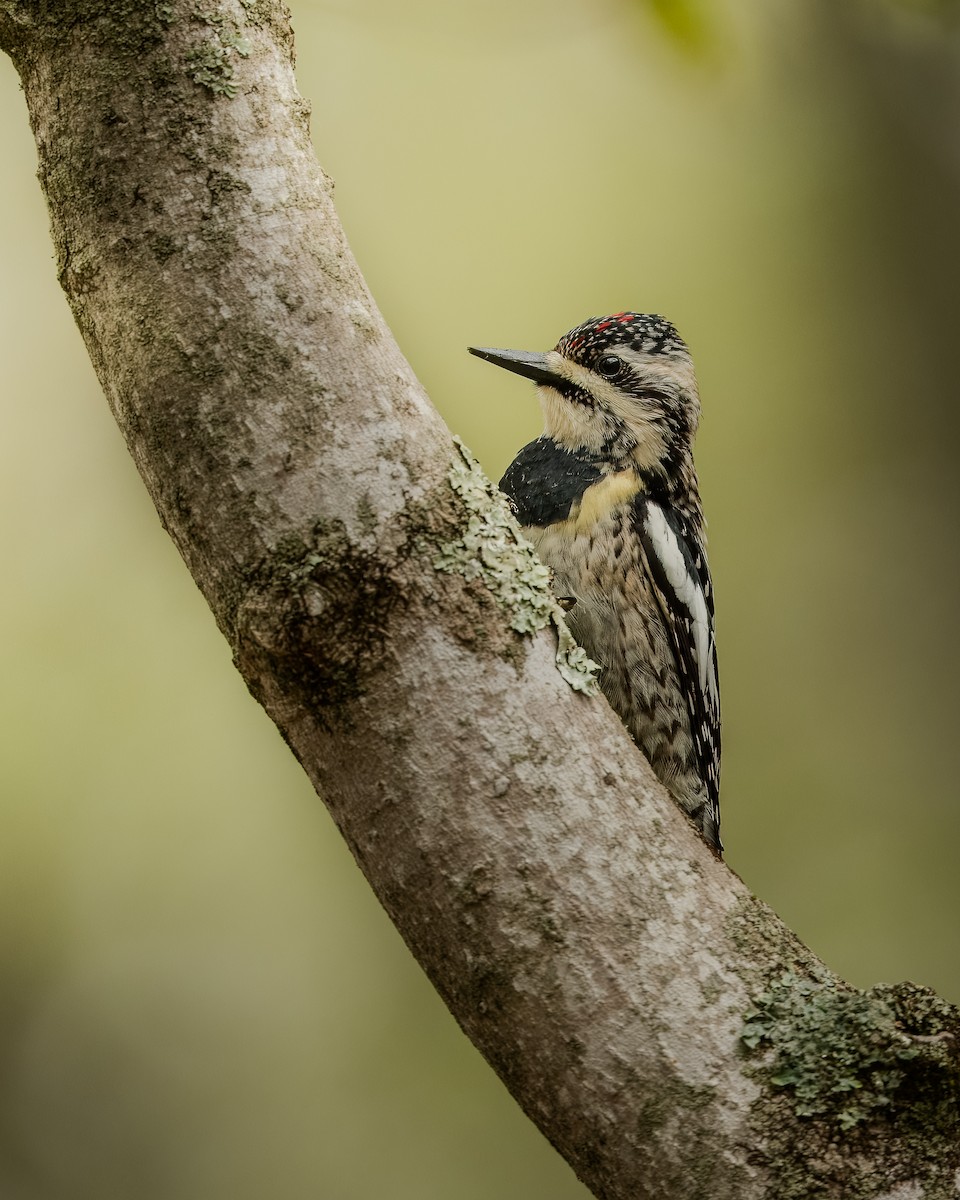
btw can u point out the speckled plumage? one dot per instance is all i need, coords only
(609, 497)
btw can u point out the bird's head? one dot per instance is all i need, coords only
(620, 387)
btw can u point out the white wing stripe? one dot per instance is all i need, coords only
(687, 590)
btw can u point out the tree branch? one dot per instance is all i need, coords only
(659, 1024)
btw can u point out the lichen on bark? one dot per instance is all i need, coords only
(874, 1078)
(493, 548)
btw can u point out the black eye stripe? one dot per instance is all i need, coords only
(570, 391)
(579, 395)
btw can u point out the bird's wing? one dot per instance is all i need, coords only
(678, 567)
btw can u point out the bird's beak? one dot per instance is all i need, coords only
(521, 362)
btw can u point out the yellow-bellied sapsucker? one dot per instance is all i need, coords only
(609, 497)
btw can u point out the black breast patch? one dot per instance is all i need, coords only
(544, 480)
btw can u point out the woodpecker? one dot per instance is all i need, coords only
(609, 497)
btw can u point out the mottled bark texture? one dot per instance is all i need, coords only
(662, 1028)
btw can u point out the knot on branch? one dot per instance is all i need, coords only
(874, 1074)
(845, 1052)
(314, 619)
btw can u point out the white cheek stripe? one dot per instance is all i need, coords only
(686, 589)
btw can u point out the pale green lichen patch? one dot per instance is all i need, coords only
(838, 1051)
(491, 548)
(213, 63)
(874, 1078)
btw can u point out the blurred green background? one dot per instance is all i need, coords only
(199, 996)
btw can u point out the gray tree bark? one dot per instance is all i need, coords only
(665, 1031)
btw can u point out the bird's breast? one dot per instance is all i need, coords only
(545, 481)
(602, 503)
(547, 484)
(592, 549)
(576, 510)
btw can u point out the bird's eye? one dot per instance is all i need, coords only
(608, 365)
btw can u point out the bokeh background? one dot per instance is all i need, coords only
(199, 997)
